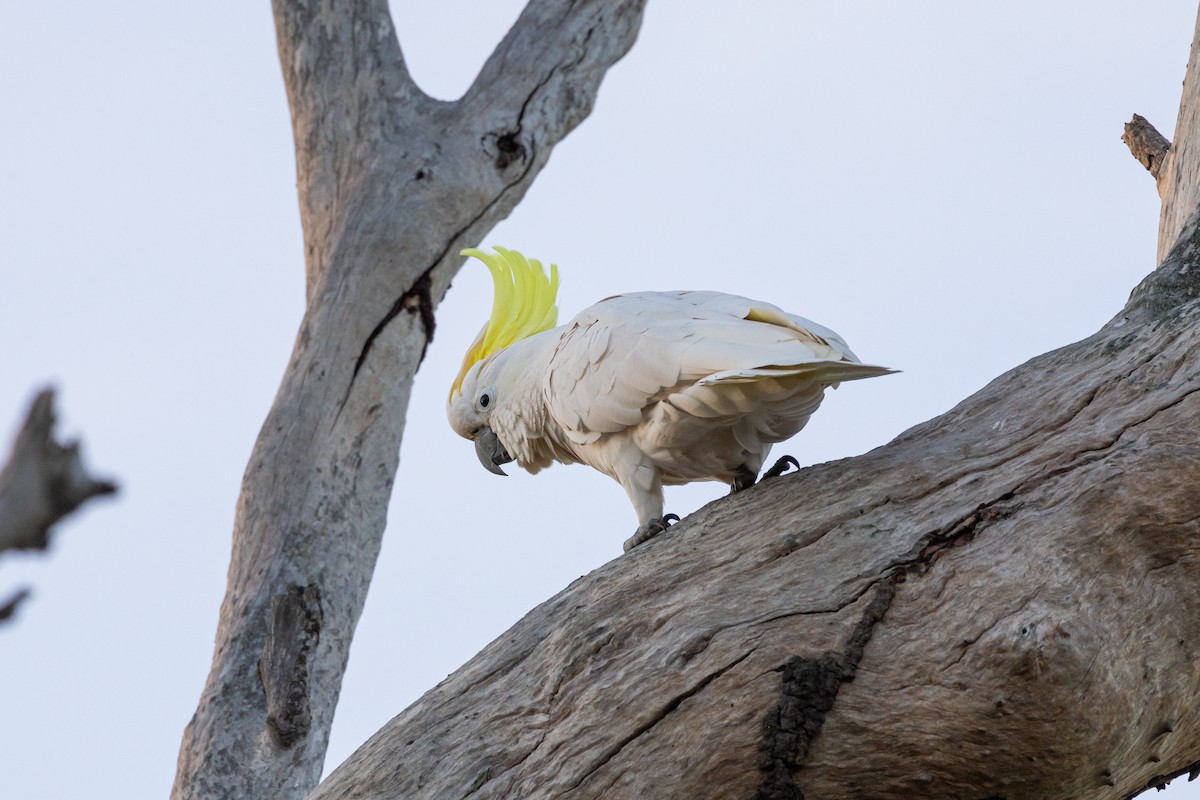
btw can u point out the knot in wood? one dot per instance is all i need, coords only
(508, 149)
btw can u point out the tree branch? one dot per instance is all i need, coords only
(1179, 175)
(1041, 540)
(42, 482)
(349, 91)
(1146, 144)
(392, 185)
(999, 603)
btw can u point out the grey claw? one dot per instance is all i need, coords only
(649, 531)
(781, 466)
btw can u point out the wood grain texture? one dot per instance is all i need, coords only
(1146, 144)
(999, 603)
(1179, 175)
(392, 185)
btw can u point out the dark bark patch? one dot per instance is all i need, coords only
(958, 534)
(292, 636)
(417, 300)
(810, 686)
(509, 150)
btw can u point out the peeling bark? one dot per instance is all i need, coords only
(392, 185)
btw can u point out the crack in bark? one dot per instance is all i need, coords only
(1078, 461)
(811, 685)
(418, 297)
(662, 714)
(854, 598)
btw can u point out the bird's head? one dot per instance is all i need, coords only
(523, 305)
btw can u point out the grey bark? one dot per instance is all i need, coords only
(43, 481)
(392, 185)
(1179, 177)
(1000, 603)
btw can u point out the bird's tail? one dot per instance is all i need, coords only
(823, 371)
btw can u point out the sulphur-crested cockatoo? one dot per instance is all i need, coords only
(650, 388)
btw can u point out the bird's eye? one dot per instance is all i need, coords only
(485, 400)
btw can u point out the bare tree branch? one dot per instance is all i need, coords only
(392, 186)
(9, 607)
(999, 603)
(1146, 144)
(43, 481)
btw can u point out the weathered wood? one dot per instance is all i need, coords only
(392, 185)
(1042, 538)
(1002, 602)
(1146, 144)
(1179, 176)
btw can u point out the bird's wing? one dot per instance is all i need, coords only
(618, 358)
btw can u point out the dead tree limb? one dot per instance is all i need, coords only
(1002, 602)
(43, 481)
(392, 185)
(1146, 144)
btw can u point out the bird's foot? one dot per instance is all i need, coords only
(649, 530)
(744, 477)
(780, 467)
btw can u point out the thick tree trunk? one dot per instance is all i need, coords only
(1002, 602)
(392, 185)
(1179, 174)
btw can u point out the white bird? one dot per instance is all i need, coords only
(650, 388)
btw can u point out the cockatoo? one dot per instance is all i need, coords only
(650, 388)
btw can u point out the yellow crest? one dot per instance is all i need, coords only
(524, 304)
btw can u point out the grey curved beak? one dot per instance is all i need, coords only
(491, 453)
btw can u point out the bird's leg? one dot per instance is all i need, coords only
(648, 531)
(780, 467)
(643, 484)
(743, 478)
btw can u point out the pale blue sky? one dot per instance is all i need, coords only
(943, 183)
